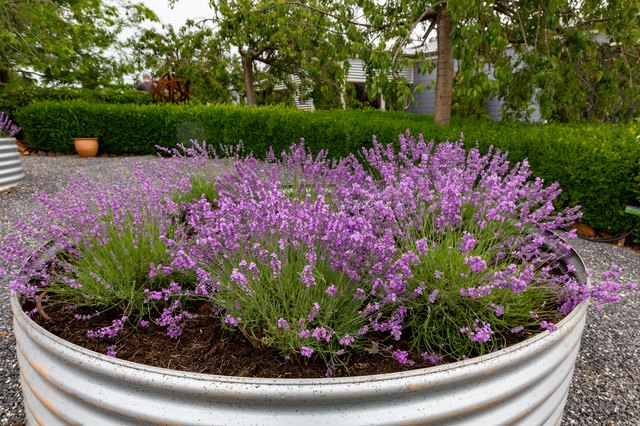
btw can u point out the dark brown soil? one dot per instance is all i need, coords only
(206, 347)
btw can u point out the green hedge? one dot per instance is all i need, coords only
(13, 99)
(595, 164)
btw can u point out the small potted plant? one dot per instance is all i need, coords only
(11, 171)
(427, 284)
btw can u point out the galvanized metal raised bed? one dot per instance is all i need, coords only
(11, 171)
(525, 384)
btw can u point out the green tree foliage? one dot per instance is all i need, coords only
(278, 39)
(192, 54)
(65, 41)
(579, 59)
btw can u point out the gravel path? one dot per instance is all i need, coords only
(606, 383)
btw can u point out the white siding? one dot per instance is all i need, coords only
(305, 105)
(357, 73)
(300, 104)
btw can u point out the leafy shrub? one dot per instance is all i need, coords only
(596, 164)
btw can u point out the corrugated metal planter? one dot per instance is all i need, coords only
(526, 384)
(11, 171)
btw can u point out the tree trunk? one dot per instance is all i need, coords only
(4, 76)
(444, 76)
(247, 73)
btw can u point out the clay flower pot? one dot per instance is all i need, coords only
(86, 147)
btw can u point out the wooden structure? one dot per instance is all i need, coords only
(169, 89)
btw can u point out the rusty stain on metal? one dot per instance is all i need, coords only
(45, 401)
(32, 412)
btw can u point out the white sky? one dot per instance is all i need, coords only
(183, 10)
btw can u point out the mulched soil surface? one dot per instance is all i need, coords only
(206, 347)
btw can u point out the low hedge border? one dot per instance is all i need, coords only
(597, 165)
(12, 99)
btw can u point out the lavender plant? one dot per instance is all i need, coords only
(423, 251)
(7, 128)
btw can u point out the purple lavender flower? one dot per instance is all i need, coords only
(239, 278)
(402, 357)
(111, 351)
(109, 332)
(417, 292)
(476, 263)
(547, 326)
(363, 330)
(234, 321)
(347, 340)
(359, 226)
(422, 246)
(467, 242)
(306, 351)
(7, 128)
(307, 276)
(321, 333)
(499, 309)
(276, 265)
(332, 290)
(479, 334)
(330, 370)
(314, 312)
(304, 334)
(431, 358)
(282, 323)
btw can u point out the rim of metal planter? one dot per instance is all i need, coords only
(569, 320)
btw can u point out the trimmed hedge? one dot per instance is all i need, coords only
(14, 98)
(595, 164)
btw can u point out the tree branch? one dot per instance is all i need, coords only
(321, 12)
(432, 26)
(406, 37)
(256, 53)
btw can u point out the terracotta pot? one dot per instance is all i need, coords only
(524, 384)
(86, 147)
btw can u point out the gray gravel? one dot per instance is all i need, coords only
(606, 383)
